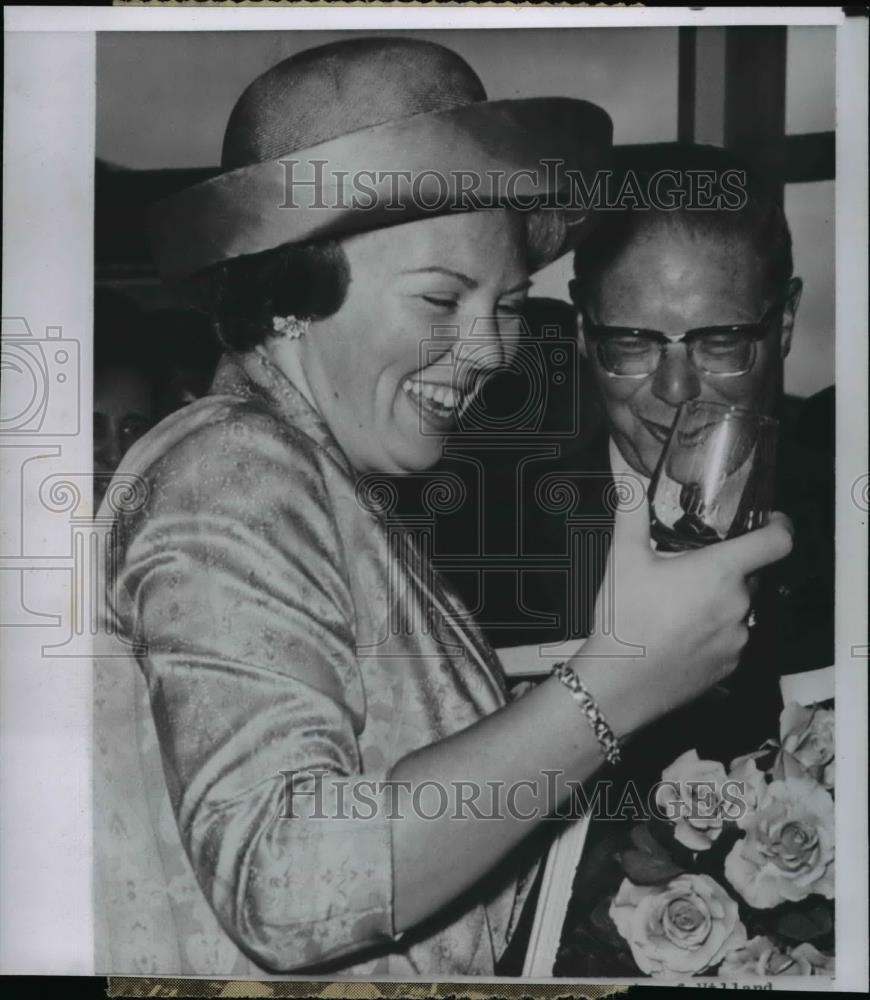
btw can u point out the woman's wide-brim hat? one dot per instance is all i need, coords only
(370, 132)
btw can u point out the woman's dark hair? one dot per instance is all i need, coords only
(182, 338)
(307, 280)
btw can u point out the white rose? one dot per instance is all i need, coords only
(788, 850)
(683, 927)
(690, 796)
(745, 787)
(807, 735)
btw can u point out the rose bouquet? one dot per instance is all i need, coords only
(732, 874)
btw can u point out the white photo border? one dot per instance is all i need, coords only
(46, 912)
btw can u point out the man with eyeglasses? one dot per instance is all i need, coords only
(699, 303)
(685, 305)
(674, 305)
(671, 306)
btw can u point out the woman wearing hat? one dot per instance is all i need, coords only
(321, 704)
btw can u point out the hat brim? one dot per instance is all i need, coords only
(523, 154)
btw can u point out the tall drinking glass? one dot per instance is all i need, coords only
(715, 477)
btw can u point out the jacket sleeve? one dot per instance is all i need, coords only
(234, 579)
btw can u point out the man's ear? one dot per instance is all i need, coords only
(792, 301)
(578, 317)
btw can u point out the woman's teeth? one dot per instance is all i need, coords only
(443, 395)
(442, 399)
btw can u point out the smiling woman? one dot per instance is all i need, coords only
(382, 369)
(405, 324)
(287, 636)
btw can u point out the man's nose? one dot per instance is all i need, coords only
(676, 380)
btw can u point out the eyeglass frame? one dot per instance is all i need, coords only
(753, 331)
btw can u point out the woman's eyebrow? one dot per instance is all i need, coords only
(464, 278)
(469, 282)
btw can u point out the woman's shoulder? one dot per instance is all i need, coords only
(226, 450)
(220, 429)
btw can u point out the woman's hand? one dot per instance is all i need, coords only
(685, 616)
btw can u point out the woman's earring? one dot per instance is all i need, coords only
(290, 326)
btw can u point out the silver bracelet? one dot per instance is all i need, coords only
(603, 733)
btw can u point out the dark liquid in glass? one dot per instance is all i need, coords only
(689, 532)
(715, 476)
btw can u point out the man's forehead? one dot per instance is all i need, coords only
(678, 265)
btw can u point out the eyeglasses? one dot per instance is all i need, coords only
(630, 352)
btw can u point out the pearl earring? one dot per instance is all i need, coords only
(290, 326)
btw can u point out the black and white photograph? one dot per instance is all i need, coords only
(463, 570)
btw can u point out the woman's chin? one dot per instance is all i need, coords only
(413, 443)
(419, 457)
(413, 449)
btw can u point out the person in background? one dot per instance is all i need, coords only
(124, 384)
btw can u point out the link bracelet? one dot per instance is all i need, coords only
(603, 733)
